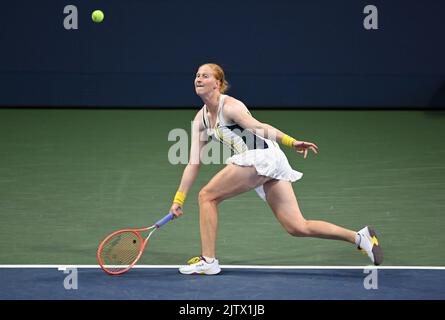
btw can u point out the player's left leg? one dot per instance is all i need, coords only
(281, 198)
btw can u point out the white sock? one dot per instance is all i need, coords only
(358, 237)
(208, 259)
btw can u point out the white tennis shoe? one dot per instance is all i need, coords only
(198, 265)
(370, 245)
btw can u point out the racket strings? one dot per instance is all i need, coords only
(120, 251)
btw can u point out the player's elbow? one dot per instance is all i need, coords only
(262, 129)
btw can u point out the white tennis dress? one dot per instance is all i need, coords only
(250, 149)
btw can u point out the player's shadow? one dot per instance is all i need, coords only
(301, 273)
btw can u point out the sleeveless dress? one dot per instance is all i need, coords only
(250, 149)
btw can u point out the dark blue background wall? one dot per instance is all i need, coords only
(306, 53)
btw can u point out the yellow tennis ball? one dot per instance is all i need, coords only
(97, 16)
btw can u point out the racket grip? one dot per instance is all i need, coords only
(164, 220)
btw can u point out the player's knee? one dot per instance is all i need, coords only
(299, 229)
(205, 195)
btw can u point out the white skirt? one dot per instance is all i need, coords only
(270, 162)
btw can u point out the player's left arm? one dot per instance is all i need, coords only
(236, 111)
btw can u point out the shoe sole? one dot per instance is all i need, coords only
(376, 249)
(201, 273)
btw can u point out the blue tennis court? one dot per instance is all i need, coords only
(233, 284)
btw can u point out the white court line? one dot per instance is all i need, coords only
(95, 266)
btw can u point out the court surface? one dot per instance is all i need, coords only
(234, 283)
(70, 177)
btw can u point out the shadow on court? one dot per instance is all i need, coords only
(232, 284)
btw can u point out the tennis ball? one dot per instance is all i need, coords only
(97, 16)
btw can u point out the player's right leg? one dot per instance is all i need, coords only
(229, 182)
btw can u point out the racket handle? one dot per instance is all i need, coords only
(164, 220)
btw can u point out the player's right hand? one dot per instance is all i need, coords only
(176, 210)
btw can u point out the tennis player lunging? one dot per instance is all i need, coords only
(258, 164)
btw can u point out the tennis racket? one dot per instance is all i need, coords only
(122, 249)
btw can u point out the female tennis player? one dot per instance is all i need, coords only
(258, 163)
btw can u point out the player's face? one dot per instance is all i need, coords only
(205, 81)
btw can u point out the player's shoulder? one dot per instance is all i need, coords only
(199, 113)
(199, 118)
(233, 104)
(229, 100)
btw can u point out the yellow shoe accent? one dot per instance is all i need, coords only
(194, 260)
(371, 245)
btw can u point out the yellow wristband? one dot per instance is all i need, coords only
(179, 198)
(287, 141)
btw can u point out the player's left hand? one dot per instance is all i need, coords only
(304, 146)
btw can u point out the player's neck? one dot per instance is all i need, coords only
(211, 101)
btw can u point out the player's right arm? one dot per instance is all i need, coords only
(199, 140)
